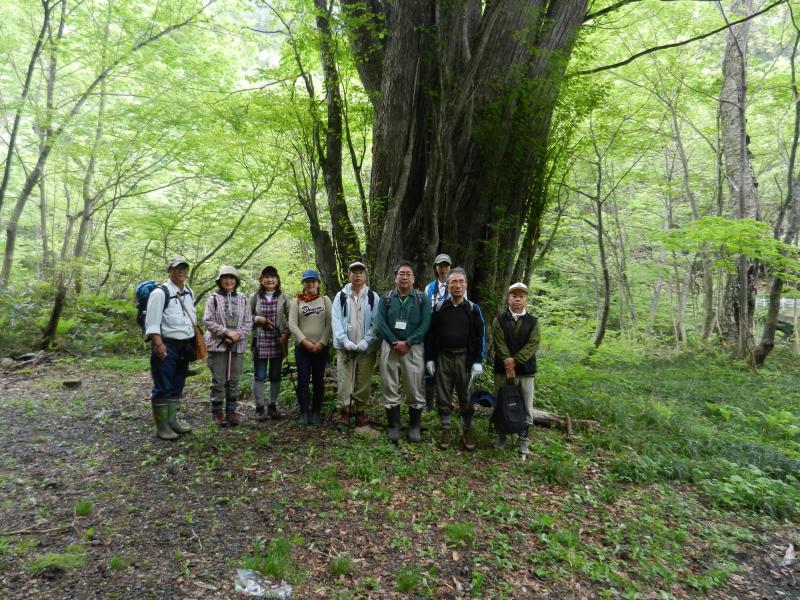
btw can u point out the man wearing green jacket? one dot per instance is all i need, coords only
(515, 334)
(403, 319)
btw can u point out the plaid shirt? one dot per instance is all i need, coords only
(216, 323)
(266, 340)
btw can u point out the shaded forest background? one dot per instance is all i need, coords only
(633, 161)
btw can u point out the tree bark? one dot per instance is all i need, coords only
(739, 173)
(463, 96)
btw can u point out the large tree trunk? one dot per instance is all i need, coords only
(463, 101)
(739, 174)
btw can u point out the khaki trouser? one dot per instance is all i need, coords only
(452, 375)
(354, 379)
(525, 382)
(405, 369)
(217, 363)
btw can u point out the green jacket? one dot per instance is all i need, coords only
(525, 355)
(414, 309)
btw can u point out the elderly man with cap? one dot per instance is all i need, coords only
(270, 309)
(310, 324)
(228, 320)
(454, 349)
(403, 319)
(356, 342)
(515, 334)
(169, 324)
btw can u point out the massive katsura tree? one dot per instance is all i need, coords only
(463, 94)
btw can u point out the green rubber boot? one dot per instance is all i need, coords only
(175, 423)
(161, 417)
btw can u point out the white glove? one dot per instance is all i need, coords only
(348, 345)
(430, 367)
(477, 369)
(362, 346)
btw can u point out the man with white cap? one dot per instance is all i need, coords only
(356, 342)
(515, 334)
(169, 325)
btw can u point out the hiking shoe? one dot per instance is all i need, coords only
(232, 417)
(361, 420)
(314, 419)
(261, 414)
(523, 447)
(272, 412)
(219, 419)
(500, 441)
(342, 422)
(444, 441)
(468, 440)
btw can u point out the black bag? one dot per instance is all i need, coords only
(509, 412)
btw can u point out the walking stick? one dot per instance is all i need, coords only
(229, 357)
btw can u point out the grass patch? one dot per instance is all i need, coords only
(83, 508)
(459, 533)
(273, 559)
(340, 565)
(408, 580)
(73, 557)
(116, 563)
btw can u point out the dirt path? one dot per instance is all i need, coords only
(174, 520)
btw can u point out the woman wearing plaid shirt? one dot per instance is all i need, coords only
(270, 333)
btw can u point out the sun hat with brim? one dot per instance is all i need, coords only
(483, 398)
(176, 261)
(228, 270)
(521, 287)
(310, 274)
(442, 258)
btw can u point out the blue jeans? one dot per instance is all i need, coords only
(260, 368)
(169, 375)
(310, 367)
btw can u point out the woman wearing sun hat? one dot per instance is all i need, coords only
(228, 321)
(310, 324)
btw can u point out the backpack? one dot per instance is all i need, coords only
(343, 301)
(438, 306)
(387, 299)
(142, 295)
(509, 412)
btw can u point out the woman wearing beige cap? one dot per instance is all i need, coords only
(228, 320)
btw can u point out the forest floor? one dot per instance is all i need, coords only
(92, 505)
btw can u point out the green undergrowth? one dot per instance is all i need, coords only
(702, 418)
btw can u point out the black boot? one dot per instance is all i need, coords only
(393, 418)
(314, 418)
(414, 418)
(302, 411)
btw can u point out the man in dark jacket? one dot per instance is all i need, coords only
(515, 334)
(454, 350)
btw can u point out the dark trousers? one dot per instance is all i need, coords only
(264, 366)
(310, 368)
(169, 375)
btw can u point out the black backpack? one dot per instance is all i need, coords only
(509, 412)
(343, 301)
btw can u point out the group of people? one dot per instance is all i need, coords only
(428, 344)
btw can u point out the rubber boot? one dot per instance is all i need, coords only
(161, 417)
(501, 441)
(468, 436)
(314, 418)
(414, 419)
(175, 423)
(258, 395)
(523, 443)
(231, 416)
(302, 411)
(274, 392)
(393, 418)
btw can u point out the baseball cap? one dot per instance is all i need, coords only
(176, 261)
(310, 274)
(442, 258)
(356, 265)
(518, 286)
